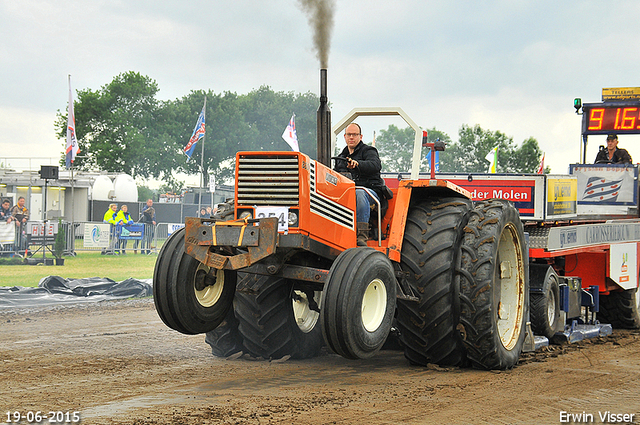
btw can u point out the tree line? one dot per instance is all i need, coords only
(123, 127)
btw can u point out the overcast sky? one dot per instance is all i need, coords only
(512, 66)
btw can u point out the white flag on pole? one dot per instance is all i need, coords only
(492, 157)
(72, 142)
(290, 135)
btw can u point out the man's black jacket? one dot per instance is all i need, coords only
(367, 173)
(620, 156)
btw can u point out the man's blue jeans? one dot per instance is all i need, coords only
(363, 204)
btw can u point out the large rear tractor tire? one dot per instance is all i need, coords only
(546, 319)
(225, 340)
(278, 317)
(190, 297)
(358, 303)
(430, 256)
(494, 290)
(620, 309)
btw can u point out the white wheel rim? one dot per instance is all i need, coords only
(209, 295)
(511, 278)
(304, 316)
(551, 308)
(374, 305)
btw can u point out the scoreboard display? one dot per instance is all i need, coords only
(614, 117)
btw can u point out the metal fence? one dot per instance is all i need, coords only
(17, 240)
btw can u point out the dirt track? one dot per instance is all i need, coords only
(117, 363)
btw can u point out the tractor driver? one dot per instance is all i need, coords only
(612, 154)
(363, 162)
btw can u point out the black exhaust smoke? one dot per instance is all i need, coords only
(324, 123)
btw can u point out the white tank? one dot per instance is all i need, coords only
(101, 188)
(125, 188)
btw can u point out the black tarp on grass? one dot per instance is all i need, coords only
(53, 290)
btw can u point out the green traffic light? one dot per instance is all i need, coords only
(577, 103)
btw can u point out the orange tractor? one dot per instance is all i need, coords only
(279, 273)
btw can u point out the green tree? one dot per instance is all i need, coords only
(250, 122)
(122, 127)
(468, 154)
(117, 127)
(145, 193)
(395, 146)
(526, 158)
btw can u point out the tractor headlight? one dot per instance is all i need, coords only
(293, 218)
(245, 214)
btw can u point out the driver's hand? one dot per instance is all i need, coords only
(351, 163)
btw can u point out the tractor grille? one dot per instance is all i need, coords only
(272, 181)
(325, 207)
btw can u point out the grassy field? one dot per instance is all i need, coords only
(85, 264)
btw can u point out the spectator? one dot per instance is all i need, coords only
(110, 217)
(5, 211)
(203, 213)
(111, 214)
(148, 217)
(123, 218)
(209, 212)
(612, 154)
(20, 214)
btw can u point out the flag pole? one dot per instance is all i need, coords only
(73, 197)
(204, 116)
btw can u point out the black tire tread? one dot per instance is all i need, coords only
(478, 265)
(340, 303)
(430, 254)
(174, 295)
(225, 340)
(620, 309)
(538, 301)
(266, 323)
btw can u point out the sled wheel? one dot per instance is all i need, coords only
(190, 297)
(545, 300)
(358, 303)
(430, 255)
(620, 309)
(277, 318)
(493, 285)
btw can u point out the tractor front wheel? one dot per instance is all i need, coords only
(358, 303)
(190, 297)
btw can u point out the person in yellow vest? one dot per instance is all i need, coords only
(123, 218)
(110, 217)
(111, 214)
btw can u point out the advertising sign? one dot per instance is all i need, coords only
(37, 231)
(566, 237)
(172, 227)
(96, 235)
(520, 192)
(7, 233)
(130, 232)
(606, 189)
(623, 265)
(562, 197)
